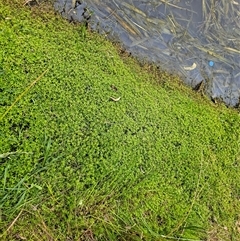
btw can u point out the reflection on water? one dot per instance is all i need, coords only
(199, 40)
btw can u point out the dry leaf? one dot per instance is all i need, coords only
(115, 99)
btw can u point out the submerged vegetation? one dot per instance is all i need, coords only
(94, 146)
(198, 40)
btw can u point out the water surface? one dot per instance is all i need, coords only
(199, 40)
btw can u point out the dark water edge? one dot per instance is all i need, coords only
(194, 39)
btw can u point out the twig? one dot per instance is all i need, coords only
(23, 93)
(14, 221)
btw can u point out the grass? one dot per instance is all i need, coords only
(162, 163)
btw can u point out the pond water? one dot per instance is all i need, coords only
(196, 39)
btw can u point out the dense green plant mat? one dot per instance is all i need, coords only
(78, 163)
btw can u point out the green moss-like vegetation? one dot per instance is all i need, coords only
(77, 165)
